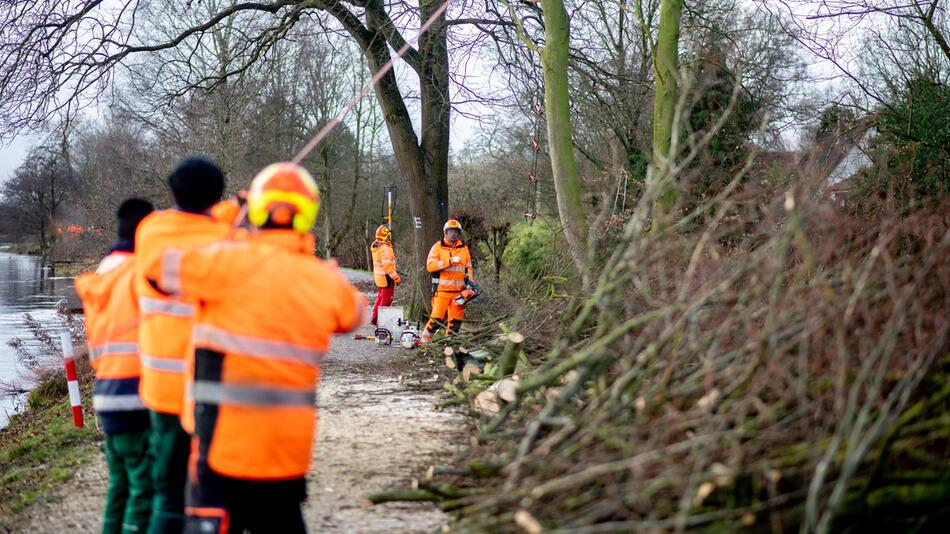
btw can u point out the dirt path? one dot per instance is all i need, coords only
(376, 429)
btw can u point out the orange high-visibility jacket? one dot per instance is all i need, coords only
(268, 309)
(450, 277)
(112, 320)
(167, 322)
(384, 263)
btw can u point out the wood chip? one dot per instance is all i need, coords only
(526, 521)
(569, 377)
(469, 370)
(708, 401)
(507, 389)
(705, 490)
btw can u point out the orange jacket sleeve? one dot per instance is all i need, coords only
(387, 257)
(188, 271)
(469, 271)
(228, 211)
(438, 259)
(349, 303)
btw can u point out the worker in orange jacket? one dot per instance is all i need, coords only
(112, 320)
(450, 263)
(384, 269)
(268, 310)
(166, 327)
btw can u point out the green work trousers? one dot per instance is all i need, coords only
(129, 499)
(170, 446)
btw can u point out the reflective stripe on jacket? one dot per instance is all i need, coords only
(384, 263)
(167, 322)
(450, 277)
(268, 310)
(112, 320)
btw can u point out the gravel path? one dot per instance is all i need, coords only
(376, 430)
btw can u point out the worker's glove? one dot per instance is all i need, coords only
(241, 197)
(397, 279)
(456, 260)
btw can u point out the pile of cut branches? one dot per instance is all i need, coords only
(783, 375)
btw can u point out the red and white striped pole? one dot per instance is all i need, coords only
(72, 382)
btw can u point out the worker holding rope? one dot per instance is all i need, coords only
(267, 310)
(167, 322)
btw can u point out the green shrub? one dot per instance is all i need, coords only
(530, 249)
(51, 387)
(914, 143)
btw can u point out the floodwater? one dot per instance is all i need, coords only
(25, 287)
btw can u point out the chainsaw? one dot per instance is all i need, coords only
(470, 293)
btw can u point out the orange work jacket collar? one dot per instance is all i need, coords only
(289, 240)
(189, 214)
(458, 244)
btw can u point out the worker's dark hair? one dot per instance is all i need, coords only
(130, 214)
(196, 183)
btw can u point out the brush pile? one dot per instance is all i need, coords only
(770, 367)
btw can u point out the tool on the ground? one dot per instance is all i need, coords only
(361, 336)
(384, 337)
(409, 338)
(470, 293)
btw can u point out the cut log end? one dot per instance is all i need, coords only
(470, 370)
(486, 403)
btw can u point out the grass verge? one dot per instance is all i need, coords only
(40, 448)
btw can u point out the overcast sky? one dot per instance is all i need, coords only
(12, 155)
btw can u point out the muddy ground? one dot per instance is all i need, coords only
(377, 429)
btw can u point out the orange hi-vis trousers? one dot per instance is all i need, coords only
(443, 304)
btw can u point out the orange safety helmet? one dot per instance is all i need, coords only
(285, 194)
(452, 223)
(383, 233)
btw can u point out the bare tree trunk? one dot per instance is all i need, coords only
(666, 67)
(436, 104)
(326, 204)
(557, 101)
(426, 173)
(366, 242)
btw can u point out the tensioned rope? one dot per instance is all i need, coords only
(328, 127)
